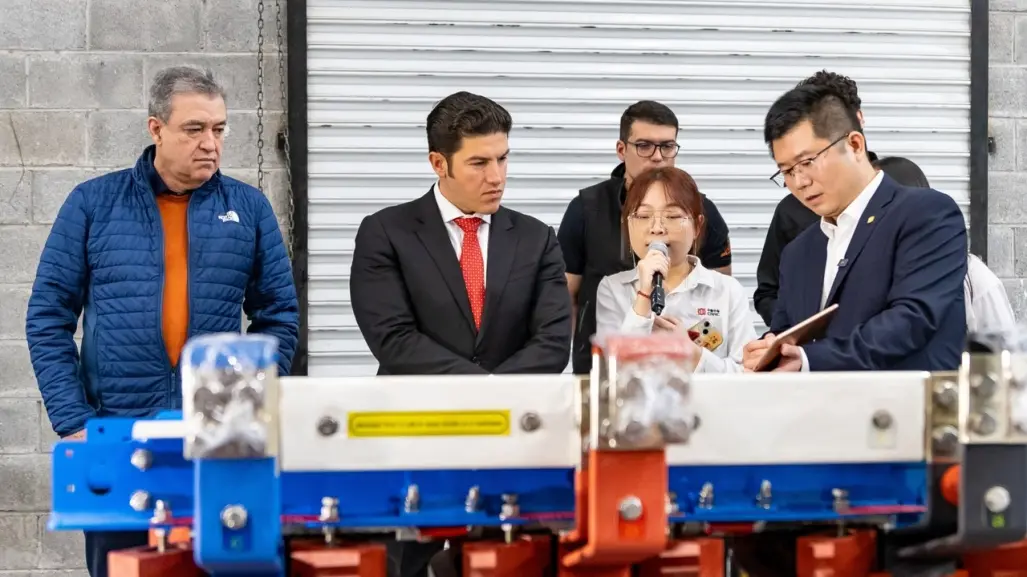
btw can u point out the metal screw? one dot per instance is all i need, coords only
(139, 501)
(413, 499)
(630, 508)
(983, 423)
(473, 496)
(327, 426)
(234, 517)
(946, 394)
(329, 509)
(945, 440)
(983, 385)
(141, 459)
(764, 498)
(531, 422)
(841, 500)
(161, 512)
(882, 420)
(997, 499)
(706, 496)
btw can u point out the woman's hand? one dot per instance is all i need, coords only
(654, 262)
(673, 325)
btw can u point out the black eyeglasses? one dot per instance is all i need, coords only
(647, 149)
(779, 177)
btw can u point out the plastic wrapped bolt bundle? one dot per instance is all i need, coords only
(229, 390)
(646, 386)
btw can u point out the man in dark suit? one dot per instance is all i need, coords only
(893, 258)
(454, 283)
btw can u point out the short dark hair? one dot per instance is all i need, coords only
(904, 171)
(647, 111)
(464, 114)
(682, 192)
(842, 85)
(831, 116)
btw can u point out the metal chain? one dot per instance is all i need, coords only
(287, 217)
(260, 96)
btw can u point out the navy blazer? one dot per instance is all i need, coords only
(900, 293)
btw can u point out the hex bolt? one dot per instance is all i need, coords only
(946, 394)
(997, 499)
(139, 501)
(141, 459)
(765, 497)
(329, 510)
(473, 497)
(630, 508)
(234, 517)
(983, 424)
(531, 422)
(706, 496)
(945, 440)
(983, 385)
(413, 499)
(327, 426)
(882, 420)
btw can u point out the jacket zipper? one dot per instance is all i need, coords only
(160, 304)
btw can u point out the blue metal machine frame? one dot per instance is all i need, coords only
(94, 481)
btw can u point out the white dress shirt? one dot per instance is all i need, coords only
(839, 237)
(987, 304)
(706, 301)
(449, 214)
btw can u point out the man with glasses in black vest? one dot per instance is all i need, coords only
(590, 233)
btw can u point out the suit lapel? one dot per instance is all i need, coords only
(432, 233)
(815, 263)
(502, 249)
(864, 228)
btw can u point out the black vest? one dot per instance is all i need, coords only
(606, 253)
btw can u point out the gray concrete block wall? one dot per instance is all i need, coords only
(73, 105)
(1007, 170)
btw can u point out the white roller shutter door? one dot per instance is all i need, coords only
(567, 69)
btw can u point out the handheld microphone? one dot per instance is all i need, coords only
(658, 299)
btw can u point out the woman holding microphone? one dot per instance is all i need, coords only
(661, 220)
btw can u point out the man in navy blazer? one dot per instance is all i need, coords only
(892, 257)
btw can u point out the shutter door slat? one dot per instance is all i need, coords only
(566, 70)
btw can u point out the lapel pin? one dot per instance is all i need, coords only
(870, 220)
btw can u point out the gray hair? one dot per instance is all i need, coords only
(180, 80)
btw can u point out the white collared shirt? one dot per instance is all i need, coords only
(839, 236)
(449, 214)
(987, 304)
(707, 301)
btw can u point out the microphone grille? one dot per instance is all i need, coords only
(660, 247)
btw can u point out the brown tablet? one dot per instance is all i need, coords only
(808, 330)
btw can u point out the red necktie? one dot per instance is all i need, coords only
(473, 266)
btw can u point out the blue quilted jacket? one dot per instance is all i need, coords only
(104, 260)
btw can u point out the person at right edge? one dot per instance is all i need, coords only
(791, 217)
(892, 257)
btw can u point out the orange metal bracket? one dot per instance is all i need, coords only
(851, 555)
(528, 556)
(612, 544)
(310, 559)
(1006, 561)
(702, 557)
(175, 561)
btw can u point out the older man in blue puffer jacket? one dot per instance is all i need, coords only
(149, 257)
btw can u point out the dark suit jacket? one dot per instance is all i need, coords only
(411, 304)
(900, 294)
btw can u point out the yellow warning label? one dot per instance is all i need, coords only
(430, 424)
